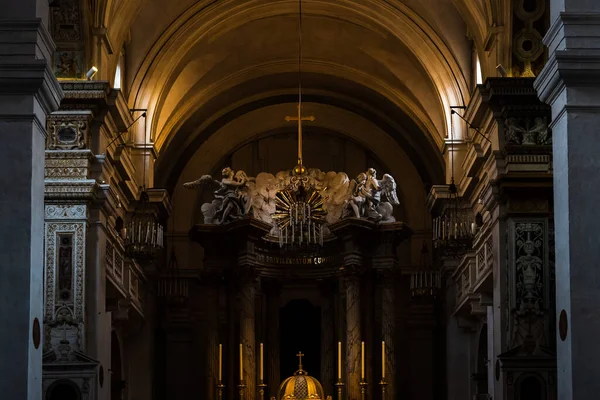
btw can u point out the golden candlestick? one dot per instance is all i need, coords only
(261, 389)
(340, 388)
(363, 390)
(383, 385)
(242, 389)
(220, 389)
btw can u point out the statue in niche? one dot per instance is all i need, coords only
(232, 200)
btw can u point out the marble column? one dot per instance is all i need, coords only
(247, 333)
(328, 355)
(28, 92)
(353, 336)
(388, 326)
(212, 361)
(570, 84)
(273, 305)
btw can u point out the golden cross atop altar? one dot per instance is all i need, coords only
(300, 118)
(300, 355)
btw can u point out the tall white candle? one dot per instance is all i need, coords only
(241, 363)
(261, 363)
(362, 361)
(383, 359)
(220, 362)
(340, 361)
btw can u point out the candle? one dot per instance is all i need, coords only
(220, 362)
(339, 361)
(362, 361)
(241, 363)
(261, 363)
(382, 359)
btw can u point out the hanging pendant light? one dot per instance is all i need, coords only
(171, 285)
(454, 228)
(426, 280)
(299, 214)
(144, 236)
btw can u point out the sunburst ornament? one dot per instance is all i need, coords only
(300, 215)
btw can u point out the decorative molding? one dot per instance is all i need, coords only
(65, 211)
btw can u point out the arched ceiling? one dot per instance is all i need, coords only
(199, 65)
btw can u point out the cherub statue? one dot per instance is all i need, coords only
(232, 200)
(373, 189)
(357, 198)
(366, 195)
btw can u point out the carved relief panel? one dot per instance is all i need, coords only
(65, 230)
(67, 131)
(530, 281)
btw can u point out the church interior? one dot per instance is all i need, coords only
(299, 199)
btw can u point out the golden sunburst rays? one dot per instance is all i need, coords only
(300, 216)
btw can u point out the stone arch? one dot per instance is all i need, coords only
(63, 389)
(398, 21)
(117, 377)
(530, 386)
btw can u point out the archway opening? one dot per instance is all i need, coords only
(530, 388)
(63, 390)
(300, 330)
(117, 384)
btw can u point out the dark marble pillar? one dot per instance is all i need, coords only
(328, 352)
(353, 336)
(388, 328)
(570, 83)
(28, 92)
(212, 319)
(247, 296)
(272, 368)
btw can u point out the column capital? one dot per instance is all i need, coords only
(574, 45)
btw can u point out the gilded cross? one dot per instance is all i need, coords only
(300, 118)
(300, 355)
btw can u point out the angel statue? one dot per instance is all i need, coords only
(357, 198)
(232, 200)
(376, 209)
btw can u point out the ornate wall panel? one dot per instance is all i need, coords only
(529, 280)
(65, 231)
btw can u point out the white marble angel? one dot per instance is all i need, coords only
(367, 194)
(232, 200)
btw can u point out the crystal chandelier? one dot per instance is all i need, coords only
(426, 280)
(171, 285)
(454, 228)
(144, 234)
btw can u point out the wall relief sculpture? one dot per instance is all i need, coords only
(527, 131)
(530, 285)
(237, 195)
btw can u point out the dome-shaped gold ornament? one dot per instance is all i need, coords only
(301, 386)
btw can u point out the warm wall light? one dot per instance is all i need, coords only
(502, 71)
(91, 73)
